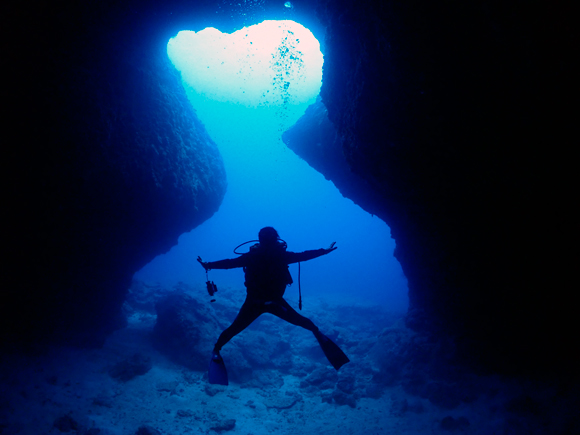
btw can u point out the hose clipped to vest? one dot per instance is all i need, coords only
(299, 289)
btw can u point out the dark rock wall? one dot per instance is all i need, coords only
(108, 165)
(456, 115)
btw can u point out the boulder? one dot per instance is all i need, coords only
(443, 113)
(186, 330)
(129, 368)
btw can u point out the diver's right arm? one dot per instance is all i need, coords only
(223, 264)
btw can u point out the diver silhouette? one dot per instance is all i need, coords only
(266, 278)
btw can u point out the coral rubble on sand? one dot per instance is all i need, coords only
(398, 381)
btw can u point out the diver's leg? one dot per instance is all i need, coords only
(248, 313)
(282, 309)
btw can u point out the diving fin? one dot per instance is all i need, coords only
(334, 354)
(217, 370)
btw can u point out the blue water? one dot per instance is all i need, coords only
(268, 185)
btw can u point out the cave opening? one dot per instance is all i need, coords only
(247, 88)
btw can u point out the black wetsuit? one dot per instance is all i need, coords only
(267, 275)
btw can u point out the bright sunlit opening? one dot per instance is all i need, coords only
(273, 63)
(247, 88)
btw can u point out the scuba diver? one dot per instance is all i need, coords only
(266, 278)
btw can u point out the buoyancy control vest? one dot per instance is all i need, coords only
(266, 272)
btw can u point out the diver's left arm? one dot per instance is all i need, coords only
(295, 257)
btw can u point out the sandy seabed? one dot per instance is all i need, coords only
(172, 399)
(68, 390)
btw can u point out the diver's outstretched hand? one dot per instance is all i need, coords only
(331, 247)
(203, 263)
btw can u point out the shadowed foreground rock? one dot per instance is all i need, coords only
(453, 122)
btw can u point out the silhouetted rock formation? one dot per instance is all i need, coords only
(452, 114)
(455, 116)
(185, 330)
(109, 166)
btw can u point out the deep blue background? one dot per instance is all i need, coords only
(268, 185)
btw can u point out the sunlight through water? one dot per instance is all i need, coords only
(247, 88)
(254, 66)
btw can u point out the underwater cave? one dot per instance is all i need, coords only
(438, 127)
(248, 88)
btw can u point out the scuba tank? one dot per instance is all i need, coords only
(283, 245)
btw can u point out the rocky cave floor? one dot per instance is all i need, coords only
(397, 382)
